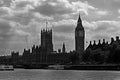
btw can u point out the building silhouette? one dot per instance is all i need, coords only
(96, 53)
(46, 40)
(44, 54)
(103, 52)
(79, 37)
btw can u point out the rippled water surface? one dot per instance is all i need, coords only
(22, 74)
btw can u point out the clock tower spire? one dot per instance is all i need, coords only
(79, 19)
(79, 36)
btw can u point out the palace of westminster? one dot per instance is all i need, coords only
(102, 52)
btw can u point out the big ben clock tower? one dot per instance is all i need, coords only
(79, 37)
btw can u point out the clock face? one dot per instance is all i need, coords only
(80, 33)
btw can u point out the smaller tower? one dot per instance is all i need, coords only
(63, 48)
(33, 49)
(94, 43)
(90, 45)
(103, 42)
(117, 38)
(112, 40)
(99, 43)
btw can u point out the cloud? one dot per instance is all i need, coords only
(118, 10)
(5, 3)
(101, 29)
(5, 34)
(104, 4)
(24, 11)
(101, 37)
(101, 25)
(23, 18)
(27, 17)
(5, 28)
(49, 10)
(22, 4)
(64, 32)
(62, 7)
(82, 6)
(65, 22)
(5, 11)
(64, 29)
(102, 13)
(59, 38)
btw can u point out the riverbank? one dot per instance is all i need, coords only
(72, 67)
(92, 67)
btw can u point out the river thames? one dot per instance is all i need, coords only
(22, 74)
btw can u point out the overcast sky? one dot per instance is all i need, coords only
(21, 21)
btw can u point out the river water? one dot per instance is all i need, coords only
(22, 74)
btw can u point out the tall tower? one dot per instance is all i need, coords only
(46, 40)
(63, 48)
(79, 37)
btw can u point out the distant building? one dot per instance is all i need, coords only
(96, 53)
(103, 52)
(15, 57)
(79, 37)
(44, 54)
(46, 40)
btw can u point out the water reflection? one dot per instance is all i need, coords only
(59, 75)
